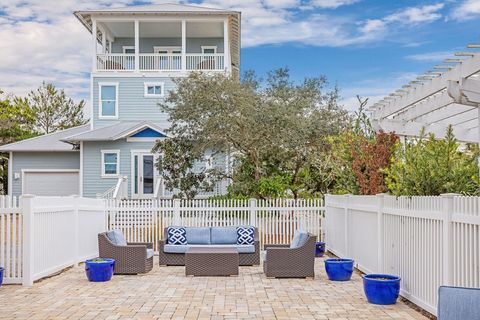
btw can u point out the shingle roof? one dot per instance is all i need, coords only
(164, 7)
(116, 131)
(47, 142)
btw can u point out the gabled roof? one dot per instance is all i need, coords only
(116, 131)
(47, 142)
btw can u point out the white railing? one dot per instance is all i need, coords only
(205, 61)
(118, 191)
(160, 62)
(116, 62)
(427, 241)
(276, 220)
(159, 191)
(11, 239)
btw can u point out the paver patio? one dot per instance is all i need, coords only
(165, 293)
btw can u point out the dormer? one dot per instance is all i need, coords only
(167, 39)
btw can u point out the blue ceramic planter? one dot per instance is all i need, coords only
(381, 288)
(99, 270)
(339, 269)
(2, 270)
(319, 249)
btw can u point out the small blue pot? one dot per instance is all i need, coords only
(381, 288)
(2, 270)
(99, 271)
(339, 269)
(319, 249)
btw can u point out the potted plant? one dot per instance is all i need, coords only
(381, 288)
(2, 270)
(99, 269)
(319, 249)
(339, 269)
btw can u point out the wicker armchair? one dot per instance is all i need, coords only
(129, 259)
(285, 262)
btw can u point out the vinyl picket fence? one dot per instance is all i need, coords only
(11, 239)
(427, 241)
(276, 220)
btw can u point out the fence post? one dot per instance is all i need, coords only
(347, 204)
(252, 204)
(380, 229)
(176, 212)
(447, 258)
(26, 202)
(75, 202)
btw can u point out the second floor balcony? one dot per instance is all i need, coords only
(161, 46)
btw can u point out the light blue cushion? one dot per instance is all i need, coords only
(149, 253)
(455, 303)
(299, 239)
(116, 237)
(198, 235)
(175, 248)
(223, 235)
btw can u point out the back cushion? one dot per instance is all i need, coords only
(299, 239)
(176, 235)
(225, 235)
(116, 237)
(245, 235)
(198, 235)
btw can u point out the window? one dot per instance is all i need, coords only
(108, 100)
(209, 49)
(129, 49)
(110, 163)
(167, 50)
(153, 89)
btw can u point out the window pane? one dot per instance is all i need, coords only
(110, 168)
(108, 108)
(208, 51)
(108, 93)
(110, 158)
(158, 90)
(150, 90)
(130, 51)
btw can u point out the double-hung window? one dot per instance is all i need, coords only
(108, 102)
(153, 89)
(110, 163)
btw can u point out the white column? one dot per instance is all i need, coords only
(76, 231)
(94, 37)
(26, 203)
(252, 204)
(137, 46)
(447, 243)
(347, 204)
(184, 45)
(104, 41)
(177, 221)
(380, 228)
(226, 47)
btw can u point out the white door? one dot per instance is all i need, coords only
(144, 175)
(51, 183)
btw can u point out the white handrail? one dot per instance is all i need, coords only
(159, 189)
(118, 191)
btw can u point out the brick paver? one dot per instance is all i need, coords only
(165, 293)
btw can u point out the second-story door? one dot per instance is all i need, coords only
(144, 175)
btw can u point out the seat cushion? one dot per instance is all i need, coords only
(149, 253)
(458, 303)
(116, 237)
(198, 235)
(299, 239)
(245, 235)
(223, 235)
(168, 248)
(176, 235)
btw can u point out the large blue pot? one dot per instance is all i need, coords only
(319, 249)
(339, 269)
(100, 269)
(381, 288)
(2, 270)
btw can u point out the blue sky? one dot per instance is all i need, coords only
(365, 47)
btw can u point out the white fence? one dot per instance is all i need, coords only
(427, 241)
(10, 239)
(276, 220)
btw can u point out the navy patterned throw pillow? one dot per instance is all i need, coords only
(245, 235)
(176, 235)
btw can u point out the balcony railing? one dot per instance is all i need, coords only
(160, 62)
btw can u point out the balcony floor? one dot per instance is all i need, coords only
(165, 293)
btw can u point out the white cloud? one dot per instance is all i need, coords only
(435, 56)
(468, 9)
(332, 4)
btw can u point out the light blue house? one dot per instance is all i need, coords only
(137, 52)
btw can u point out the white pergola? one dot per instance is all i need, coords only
(447, 95)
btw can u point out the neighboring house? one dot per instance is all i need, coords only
(137, 52)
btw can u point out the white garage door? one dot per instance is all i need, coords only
(51, 183)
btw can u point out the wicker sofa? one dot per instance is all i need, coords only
(282, 261)
(132, 258)
(174, 255)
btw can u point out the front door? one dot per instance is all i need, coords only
(144, 175)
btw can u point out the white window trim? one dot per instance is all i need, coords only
(100, 107)
(147, 84)
(105, 175)
(209, 47)
(125, 48)
(169, 49)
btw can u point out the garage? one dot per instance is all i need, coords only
(51, 183)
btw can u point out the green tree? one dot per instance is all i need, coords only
(53, 109)
(427, 166)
